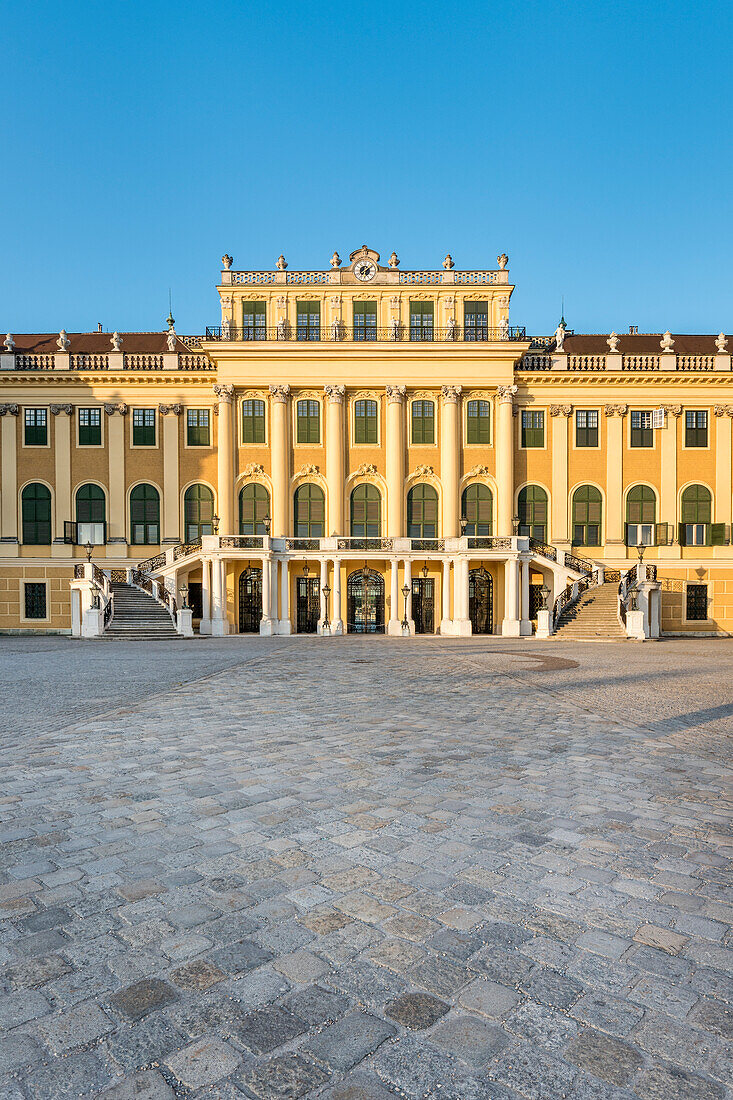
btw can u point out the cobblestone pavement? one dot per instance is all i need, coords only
(359, 868)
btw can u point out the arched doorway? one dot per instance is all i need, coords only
(481, 601)
(250, 601)
(365, 602)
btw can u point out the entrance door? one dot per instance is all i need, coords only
(423, 604)
(481, 601)
(535, 600)
(196, 599)
(250, 601)
(309, 605)
(365, 602)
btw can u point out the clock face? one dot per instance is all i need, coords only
(365, 270)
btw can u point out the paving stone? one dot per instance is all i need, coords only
(37, 971)
(713, 1016)
(147, 1084)
(240, 958)
(140, 998)
(198, 975)
(488, 998)
(655, 993)
(359, 1086)
(607, 1013)
(413, 1067)
(534, 1074)
(675, 1041)
(667, 1082)
(662, 938)
(269, 1028)
(440, 976)
(316, 1006)
(545, 1027)
(77, 1077)
(472, 1040)
(604, 1057)
(301, 966)
(18, 1008)
(75, 1028)
(148, 1041)
(347, 1042)
(17, 1051)
(286, 1077)
(551, 987)
(203, 1063)
(416, 1011)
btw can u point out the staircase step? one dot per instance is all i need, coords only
(138, 616)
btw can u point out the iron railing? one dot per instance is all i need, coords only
(580, 565)
(365, 544)
(185, 548)
(427, 544)
(302, 544)
(147, 564)
(488, 542)
(240, 542)
(368, 334)
(543, 550)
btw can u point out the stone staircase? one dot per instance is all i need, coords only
(138, 616)
(593, 618)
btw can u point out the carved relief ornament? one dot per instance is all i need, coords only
(422, 471)
(12, 409)
(723, 410)
(451, 394)
(335, 394)
(365, 469)
(280, 394)
(253, 469)
(224, 391)
(561, 410)
(165, 410)
(615, 410)
(120, 408)
(308, 470)
(396, 393)
(56, 409)
(505, 394)
(478, 471)
(673, 410)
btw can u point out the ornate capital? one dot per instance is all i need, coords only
(12, 409)
(561, 410)
(396, 393)
(723, 410)
(505, 394)
(280, 394)
(673, 410)
(122, 408)
(451, 394)
(224, 391)
(165, 410)
(615, 410)
(253, 469)
(335, 394)
(56, 409)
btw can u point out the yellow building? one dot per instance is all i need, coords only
(364, 448)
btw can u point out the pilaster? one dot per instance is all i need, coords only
(450, 457)
(559, 533)
(116, 452)
(9, 495)
(335, 396)
(395, 460)
(614, 474)
(280, 458)
(225, 458)
(723, 488)
(505, 460)
(171, 474)
(668, 466)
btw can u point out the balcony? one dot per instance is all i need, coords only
(337, 333)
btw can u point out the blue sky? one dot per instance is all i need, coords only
(591, 142)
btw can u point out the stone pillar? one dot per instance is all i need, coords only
(171, 505)
(219, 620)
(62, 429)
(525, 623)
(266, 620)
(461, 623)
(510, 624)
(450, 458)
(286, 626)
(9, 495)
(116, 453)
(321, 597)
(408, 582)
(335, 446)
(225, 458)
(615, 476)
(393, 626)
(559, 533)
(395, 461)
(337, 623)
(445, 619)
(723, 414)
(505, 460)
(205, 627)
(280, 459)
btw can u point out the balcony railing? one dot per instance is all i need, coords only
(488, 542)
(367, 335)
(365, 544)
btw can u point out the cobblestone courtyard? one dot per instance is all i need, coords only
(360, 868)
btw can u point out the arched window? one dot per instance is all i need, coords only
(695, 516)
(198, 512)
(532, 508)
(254, 505)
(36, 512)
(310, 511)
(477, 507)
(91, 526)
(366, 512)
(145, 515)
(641, 516)
(587, 508)
(422, 512)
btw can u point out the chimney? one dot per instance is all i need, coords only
(99, 326)
(633, 330)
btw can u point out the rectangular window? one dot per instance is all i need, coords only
(423, 422)
(143, 427)
(254, 321)
(253, 421)
(586, 428)
(640, 534)
(308, 422)
(90, 427)
(478, 422)
(421, 320)
(365, 320)
(642, 433)
(309, 320)
(696, 428)
(35, 600)
(476, 320)
(697, 602)
(533, 428)
(365, 421)
(198, 428)
(36, 427)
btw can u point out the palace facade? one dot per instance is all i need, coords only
(365, 448)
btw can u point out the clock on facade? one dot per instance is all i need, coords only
(365, 270)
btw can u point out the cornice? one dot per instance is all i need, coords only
(616, 382)
(52, 379)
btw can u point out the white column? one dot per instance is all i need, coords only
(335, 450)
(337, 623)
(461, 622)
(505, 459)
(395, 460)
(225, 458)
(393, 626)
(285, 626)
(205, 627)
(450, 457)
(321, 597)
(280, 459)
(525, 623)
(219, 621)
(445, 619)
(510, 624)
(408, 582)
(266, 620)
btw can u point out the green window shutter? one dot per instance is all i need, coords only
(717, 534)
(626, 536)
(681, 535)
(661, 534)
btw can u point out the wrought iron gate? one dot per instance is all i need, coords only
(481, 601)
(423, 605)
(365, 602)
(309, 605)
(250, 601)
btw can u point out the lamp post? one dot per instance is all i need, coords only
(88, 549)
(405, 622)
(215, 524)
(305, 569)
(326, 590)
(544, 594)
(184, 597)
(424, 571)
(515, 524)
(464, 525)
(267, 523)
